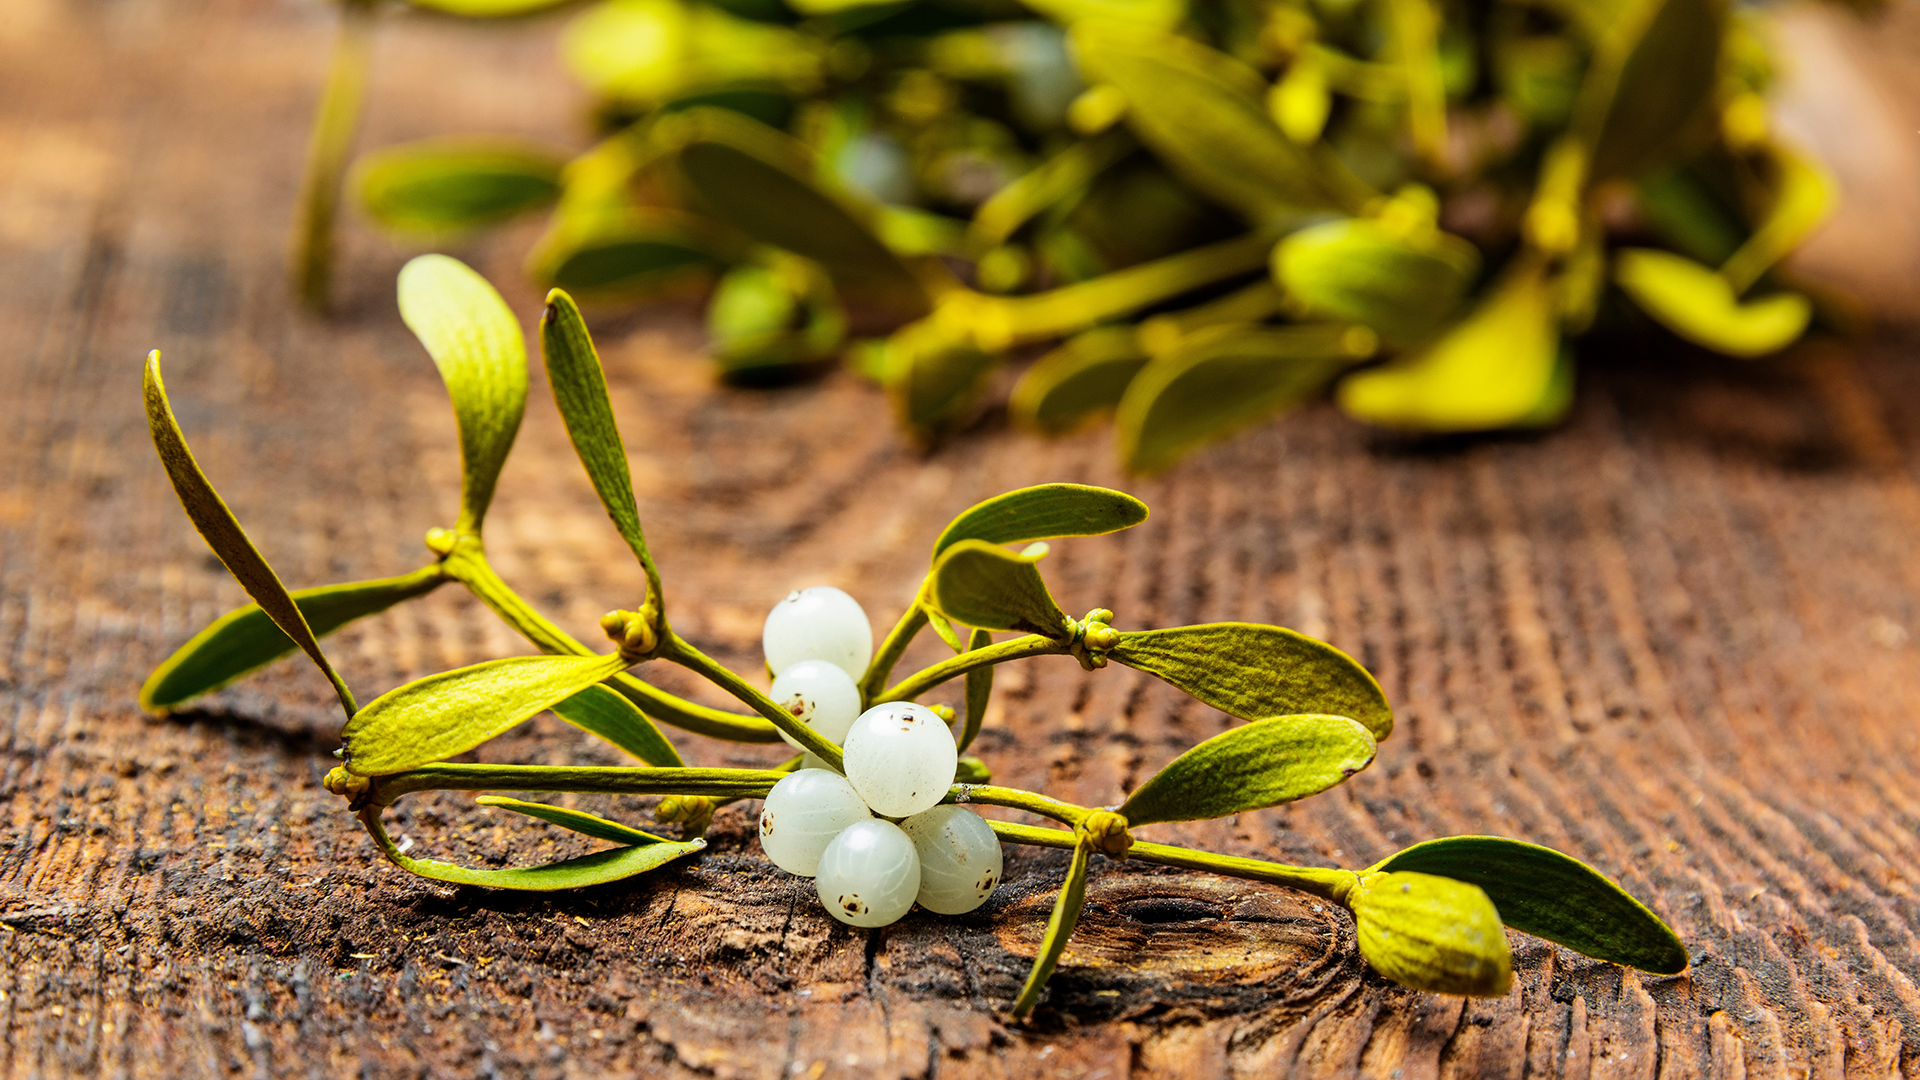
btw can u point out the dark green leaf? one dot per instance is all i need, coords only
(979, 691)
(607, 714)
(476, 343)
(580, 390)
(1489, 371)
(1202, 112)
(222, 530)
(1541, 892)
(448, 185)
(1253, 671)
(1262, 764)
(1080, 379)
(1220, 379)
(434, 718)
(1647, 85)
(1698, 304)
(986, 586)
(597, 827)
(1431, 933)
(933, 377)
(1066, 914)
(595, 869)
(629, 252)
(1403, 283)
(246, 638)
(1043, 512)
(759, 181)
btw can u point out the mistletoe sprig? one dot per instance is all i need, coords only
(876, 807)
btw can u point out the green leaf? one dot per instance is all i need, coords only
(1223, 378)
(449, 185)
(598, 868)
(603, 712)
(1431, 933)
(486, 9)
(1262, 764)
(628, 253)
(1489, 371)
(1078, 380)
(246, 638)
(1404, 283)
(1803, 194)
(1043, 512)
(222, 531)
(1699, 304)
(1647, 87)
(979, 690)
(932, 376)
(1158, 14)
(943, 629)
(476, 343)
(1053, 181)
(580, 391)
(1253, 671)
(646, 53)
(1201, 112)
(434, 718)
(990, 588)
(760, 181)
(1542, 892)
(597, 827)
(1066, 915)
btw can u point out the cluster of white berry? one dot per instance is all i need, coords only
(876, 840)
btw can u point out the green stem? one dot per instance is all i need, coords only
(334, 123)
(1110, 296)
(678, 650)
(927, 678)
(891, 649)
(468, 565)
(584, 779)
(1328, 884)
(1032, 802)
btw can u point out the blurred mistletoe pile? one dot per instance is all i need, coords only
(1207, 211)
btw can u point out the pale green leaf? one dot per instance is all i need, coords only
(222, 530)
(246, 638)
(1403, 283)
(476, 343)
(1698, 304)
(1043, 512)
(598, 868)
(943, 629)
(580, 390)
(1080, 379)
(988, 587)
(603, 712)
(1253, 671)
(434, 718)
(449, 185)
(1490, 370)
(1542, 892)
(1262, 764)
(1220, 379)
(578, 821)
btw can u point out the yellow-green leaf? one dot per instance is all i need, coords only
(1157, 14)
(600, 711)
(1066, 915)
(1699, 304)
(1431, 933)
(580, 390)
(644, 53)
(1043, 512)
(222, 530)
(1220, 379)
(1078, 380)
(932, 376)
(1404, 283)
(476, 343)
(450, 713)
(598, 868)
(1542, 892)
(246, 638)
(1489, 371)
(449, 185)
(1262, 764)
(1803, 193)
(986, 586)
(578, 821)
(1253, 671)
(979, 692)
(486, 9)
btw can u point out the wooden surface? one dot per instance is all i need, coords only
(1675, 639)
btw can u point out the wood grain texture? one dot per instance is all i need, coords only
(1675, 639)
